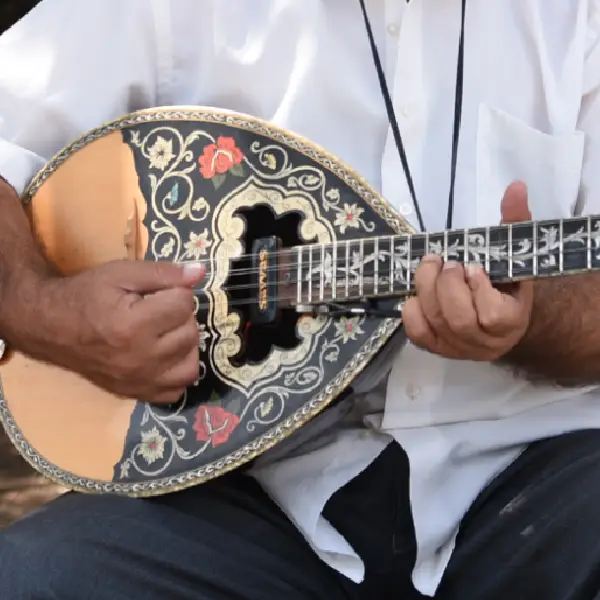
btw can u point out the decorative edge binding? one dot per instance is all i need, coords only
(309, 409)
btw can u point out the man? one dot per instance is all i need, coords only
(464, 466)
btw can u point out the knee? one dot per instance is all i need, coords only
(34, 565)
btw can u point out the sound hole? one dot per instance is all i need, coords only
(261, 339)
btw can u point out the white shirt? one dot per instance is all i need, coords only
(531, 112)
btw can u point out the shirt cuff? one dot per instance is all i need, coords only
(18, 165)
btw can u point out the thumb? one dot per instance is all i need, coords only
(146, 277)
(514, 207)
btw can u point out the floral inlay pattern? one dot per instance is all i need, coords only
(215, 425)
(197, 246)
(161, 153)
(221, 158)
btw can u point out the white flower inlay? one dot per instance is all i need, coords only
(152, 447)
(161, 153)
(349, 217)
(197, 245)
(348, 329)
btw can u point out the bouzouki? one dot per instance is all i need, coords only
(307, 269)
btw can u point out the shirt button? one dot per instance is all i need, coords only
(406, 111)
(412, 391)
(393, 29)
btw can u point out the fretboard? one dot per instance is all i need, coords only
(385, 266)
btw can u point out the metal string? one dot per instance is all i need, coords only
(399, 293)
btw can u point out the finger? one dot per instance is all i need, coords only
(167, 397)
(426, 277)
(456, 303)
(165, 311)
(514, 207)
(498, 314)
(175, 345)
(145, 277)
(420, 333)
(183, 373)
(416, 326)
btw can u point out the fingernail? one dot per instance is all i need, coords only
(451, 264)
(474, 270)
(193, 269)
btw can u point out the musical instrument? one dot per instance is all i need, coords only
(297, 245)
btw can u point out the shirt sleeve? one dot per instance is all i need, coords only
(70, 66)
(589, 118)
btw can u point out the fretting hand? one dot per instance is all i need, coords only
(457, 313)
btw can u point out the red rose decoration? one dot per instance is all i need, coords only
(220, 158)
(214, 424)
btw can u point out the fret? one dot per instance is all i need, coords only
(401, 259)
(339, 260)
(466, 247)
(371, 256)
(418, 246)
(589, 243)
(334, 270)
(535, 252)
(561, 246)
(392, 267)
(436, 244)
(454, 242)
(354, 267)
(347, 267)
(573, 245)
(521, 250)
(376, 266)
(319, 270)
(498, 253)
(361, 268)
(306, 273)
(371, 264)
(548, 247)
(322, 274)
(396, 271)
(476, 251)
(310, 275)
(299, 275)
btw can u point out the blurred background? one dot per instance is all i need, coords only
(21, 490)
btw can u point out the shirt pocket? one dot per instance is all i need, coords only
(509, 149)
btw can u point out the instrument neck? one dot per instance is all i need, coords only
(384, 267)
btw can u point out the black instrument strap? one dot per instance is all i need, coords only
(458, 102)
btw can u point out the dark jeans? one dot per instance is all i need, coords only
(534, 534)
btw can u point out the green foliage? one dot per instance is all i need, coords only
(12, 10)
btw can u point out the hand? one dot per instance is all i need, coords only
(457, 313)
(127, 326)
